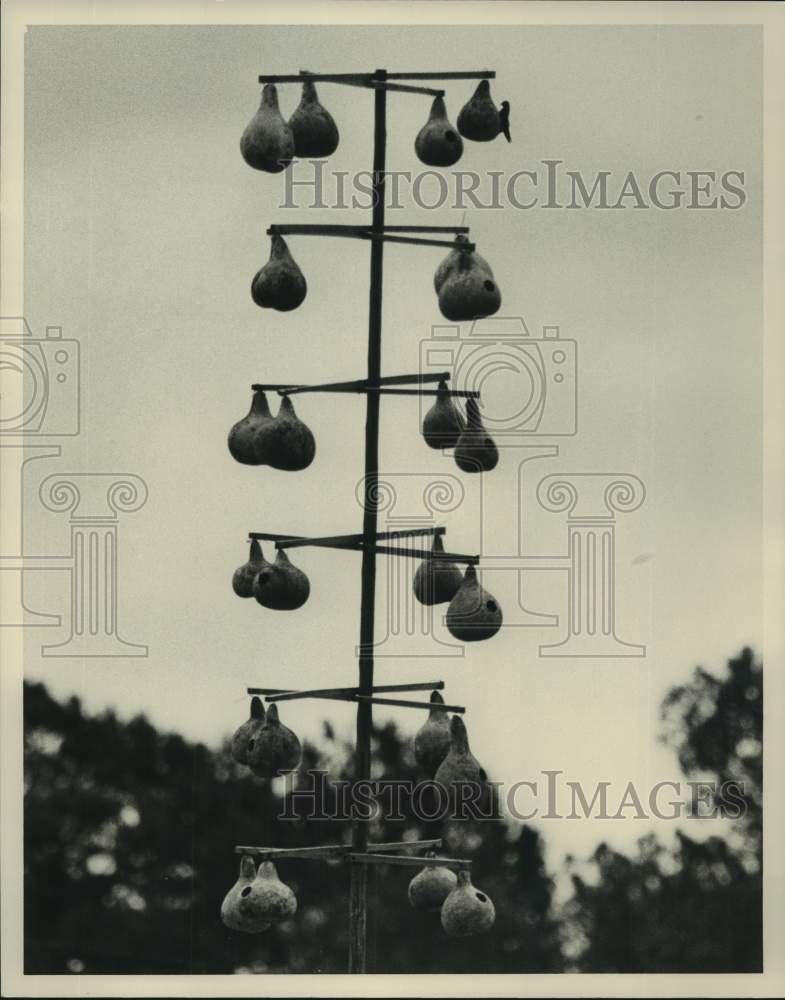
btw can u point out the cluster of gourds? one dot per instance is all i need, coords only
(444, 426)
(472, 612)
(265, 744)
(441, 749)
(464, 909)
(284, 442)
(466, 289)
(464, 282)
(270, 143)
(258, 899)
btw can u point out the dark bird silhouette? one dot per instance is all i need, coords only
(504, 118)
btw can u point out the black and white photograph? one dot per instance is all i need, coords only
(393, 533)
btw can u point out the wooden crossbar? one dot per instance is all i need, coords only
(297, 543)
(370, 858)
(284, 695)
(337, 850)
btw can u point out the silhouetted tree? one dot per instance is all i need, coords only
(129, 837)
(698, 908)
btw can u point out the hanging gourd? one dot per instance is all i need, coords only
(240, 909)
(452, 259)
(475, 450)
(443, 423)
(459, 766)
(466, 910)
(281, 586)
(473, 613)
(432, 742)
(431, 886)
(245, 438)
(243, 578)
(267, 142)
(248, 731)
(479, 118)
(275, 900)
(314, 130)
(288, 443)
(436, 581)
(274, 749)
(438, 143)
(280, 284)
(469, 289)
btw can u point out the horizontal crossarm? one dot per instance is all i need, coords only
(395, 859)
(400, 703)
(366, 79)
(358, 233)
(297, 543)
(337, 850)
(456, 557)
(282, 695)
(355, 385)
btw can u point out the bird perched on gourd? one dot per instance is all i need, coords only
(504, 120)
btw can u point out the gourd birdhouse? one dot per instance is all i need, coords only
(467, 911)
(243, 577)
(431, 886)
(274, 748)
(275, 900)
(443, 423)
(246, 438)
(314, 130)
(240, 909)
(267, 142)
(281, 586)
(438, 143)
(280, 284)
(436, 581)
(479, 118)
(432, 742)
(473, 614)
(459, 766)
(469, 289)
(245, 736)
(475, 450)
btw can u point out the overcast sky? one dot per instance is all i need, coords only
(144, 228)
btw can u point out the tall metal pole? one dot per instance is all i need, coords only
(358, 890)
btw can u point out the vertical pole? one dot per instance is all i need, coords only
(358, 890)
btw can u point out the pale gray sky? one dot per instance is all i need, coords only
(144, 228)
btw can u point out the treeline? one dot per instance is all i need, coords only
(129, 837)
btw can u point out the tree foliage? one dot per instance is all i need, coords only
(697, 908)
(129, 838)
